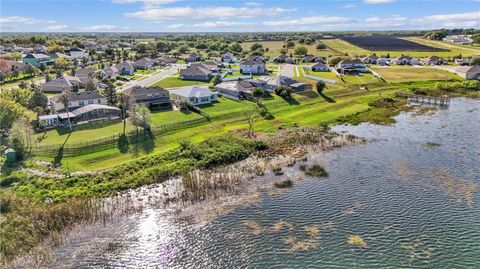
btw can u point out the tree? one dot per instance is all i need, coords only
(140, 116)
(320, 86)
(256, 46)
(320, 46)
(37, 98)
(335, 60)
(216, 81)
(283, 51)
(91, 86)
(21, 137)
(10, 111)
(61, 63)
(65, 98)
(283, 91)
(111, 94)
(258, 93)
(250, 118)
(301, 50)
(183, 49)
(235, 47)
(475, 60)
(124, 103)
(290, 45)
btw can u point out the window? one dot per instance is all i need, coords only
(99, 101)
(212, 97)
(90, 102)
(204, 99)
(192, 99)
(81, 102)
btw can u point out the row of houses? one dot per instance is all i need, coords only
(92, 106)
(407, 60)
(242, 89)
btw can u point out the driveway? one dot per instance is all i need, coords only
(153, 77)
(288, 70)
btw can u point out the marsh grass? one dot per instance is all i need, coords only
(284, 184)
(315, 170)
(356, 240)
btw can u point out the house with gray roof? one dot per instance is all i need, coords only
(193, 57)
(195, 95)
(144, 64)
(240, 89)
(84, 114)
(125, 68)
(319, 67)
(76, 100)
(469, 72)
(153, 97)
(61, 84)
(253, 65)
(349, 66)
(200, 71)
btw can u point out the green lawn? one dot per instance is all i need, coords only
(363, 78)
(327, 74)
(171, 116)
(275, 46)
(174, 82)
(144, 72)
(405, 74)
(234, 74)
(225, 106)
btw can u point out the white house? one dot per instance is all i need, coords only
(76, 100)
(195, 95)
(319, 67)
(352, 66)
(252, 65)
(77, 53)
(459, 39)
(469, 72)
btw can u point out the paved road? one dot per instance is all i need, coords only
(288, 70)
(154, 77)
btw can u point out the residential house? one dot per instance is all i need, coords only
(144, 64)
(469, 72)
(464, 61)
(40, 49)
(37, 59)
(85, 75)
(165, 60)
(227, 57)
(91, 112)
(253, 65)
(77, 53)
(281, 58)
(319, 67)
(271, 83)
(57, 55)
(27, 50)
(313, 59)
(201, 72)
(195, 95)
(370, 59)
(351, 66)
(111, 72)
(415, 61)
(402, 60)
(433, 60)
(383, 61)
(76, 100)
(459, 39)
(193, 57)
(61, 84)
(152, 97)
(125, 68)
(240, 89)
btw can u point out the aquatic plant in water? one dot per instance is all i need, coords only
(315, 171)
(356, 240)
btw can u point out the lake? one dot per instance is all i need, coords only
(408, 198)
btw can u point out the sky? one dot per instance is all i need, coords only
(235, 15)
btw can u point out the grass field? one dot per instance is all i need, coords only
(360, 79)
(275, 46)
(144, 72)
(174, 82)
(405, 74)
(352, 50)
(327, 75)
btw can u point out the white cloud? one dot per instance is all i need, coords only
(328, 20)
(175, 13)
(100, 27)
(212, 24)
(252, 4)
(348, 6)
(374, 2)
(175, 26)
(455, 20)
(57, 27)
(149, 2)
(455, 17)
(18, 20)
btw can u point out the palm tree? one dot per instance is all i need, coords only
(124, 102)
(65, 100)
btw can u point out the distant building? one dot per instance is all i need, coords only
(77, 53)
(348, 66)
(125, 68)
(61, 84)
(199, 71)
(144, 64)
(227, 57)
(319, 67)
(459, 39)
(371, 59)
(193, 57)
(433, 60)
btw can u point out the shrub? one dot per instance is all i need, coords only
(316, 171)
(284, 184)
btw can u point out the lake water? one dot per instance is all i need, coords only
(410, 196)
